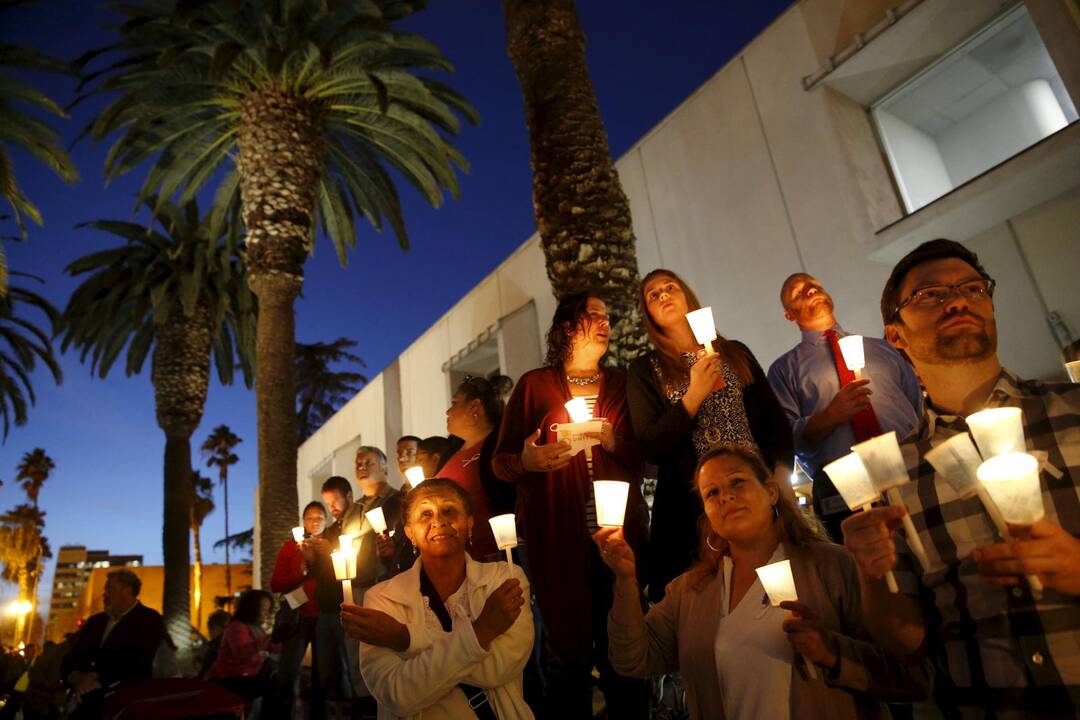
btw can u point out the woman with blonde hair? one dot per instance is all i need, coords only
(683, 401)
(716, 626)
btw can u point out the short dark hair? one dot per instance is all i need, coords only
(337, 484)
(247, 606)
(570, 313)
(126, 577)
(490, 392)
(433, 486)
(315, 504)
(435, 445)
(938, 249)
(218, 618)
(409, 438)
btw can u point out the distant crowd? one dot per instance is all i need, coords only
(925, 604)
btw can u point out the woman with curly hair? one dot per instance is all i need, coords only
(684, 401)
(557, 510)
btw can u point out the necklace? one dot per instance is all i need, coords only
(583, 380)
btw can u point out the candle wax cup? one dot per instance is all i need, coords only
(504, 528)
(851, 347)
(778, 582)
(415, 475)
(580, 435)
(1073, 369)
(298, 534)
(610, 498)
(883, 461)
(702, 324)
(957, 461)
(578, 410)
(1012, 480)
(997, 431)
(852, 481)
(376, 519)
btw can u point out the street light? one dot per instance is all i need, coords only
(19, 609)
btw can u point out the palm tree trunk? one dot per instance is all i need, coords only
(197, 572)
(180, 375)
(280, 159)
(224, 474)
(581, 210)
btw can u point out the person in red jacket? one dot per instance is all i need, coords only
(306, 566)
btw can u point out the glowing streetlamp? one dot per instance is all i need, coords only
(851, 347)
(610, 496)
(779, 585)
(504, 528)
(849, 476)
(415, 475)
(19, 609)
(997, 431)
(344, 561)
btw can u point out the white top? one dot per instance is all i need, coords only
(753, 655)
(453, 705)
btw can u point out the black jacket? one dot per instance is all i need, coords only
(126, 656)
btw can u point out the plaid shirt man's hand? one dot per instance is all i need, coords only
(1047, 551)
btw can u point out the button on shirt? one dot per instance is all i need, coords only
(805, 382)
(1004, 651)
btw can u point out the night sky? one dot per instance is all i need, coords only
(645, 58)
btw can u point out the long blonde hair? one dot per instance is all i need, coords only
(672, 368)
(796, 528)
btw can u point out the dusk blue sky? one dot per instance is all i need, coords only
(645, 57)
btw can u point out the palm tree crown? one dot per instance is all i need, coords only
(22, 345)
(320, 391)
(33, 471)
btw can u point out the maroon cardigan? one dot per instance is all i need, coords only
(551, 506)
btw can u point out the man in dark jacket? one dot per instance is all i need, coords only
(113, 648)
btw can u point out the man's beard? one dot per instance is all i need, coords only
(813, 311)
(972, 346)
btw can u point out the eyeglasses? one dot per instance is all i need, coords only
(933, 296)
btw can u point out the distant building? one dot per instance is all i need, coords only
(91, 598)
(74, 565)
(842, 136)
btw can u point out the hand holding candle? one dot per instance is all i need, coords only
(583, 431)
(1012, 482)
(610, 496)
(852, 481)
(779, 585)
(298, 535)
(504, 528)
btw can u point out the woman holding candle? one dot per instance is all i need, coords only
(684, 401)
(474, 415)
(558, 514)
(715, 625)
(449, 637)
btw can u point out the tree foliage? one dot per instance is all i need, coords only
(22, 346)
(320, 390)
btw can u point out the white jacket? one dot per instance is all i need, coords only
(406, 683)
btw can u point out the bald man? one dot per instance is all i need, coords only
(828, 408)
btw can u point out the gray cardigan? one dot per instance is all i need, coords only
(679, 634)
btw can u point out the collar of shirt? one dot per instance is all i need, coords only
(116, 618)
(816, 337)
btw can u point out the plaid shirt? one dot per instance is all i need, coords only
(1006, 654)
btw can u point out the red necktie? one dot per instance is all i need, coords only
(865, 422)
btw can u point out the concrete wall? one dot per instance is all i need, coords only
(750, 179)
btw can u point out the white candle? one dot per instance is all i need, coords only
(703, 326)
(851, 347)
(885, 464)
(610, 496)
(997, 431)
(415, 475)
(344, 570)
(1073, 368)
(298, 535)
(779, 585)
(852, 481)
(504, 528)
(1013, 482)
(578, 410)
(376, 519)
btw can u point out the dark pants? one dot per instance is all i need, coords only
(569, 680)
(829, 507)
(329, 672)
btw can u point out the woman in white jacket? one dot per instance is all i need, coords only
(448, 638)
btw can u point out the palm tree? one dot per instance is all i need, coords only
(219, 447)
(23, 547)
(582, 213)
(183, 294)
(22, 345)
(22, 130)
(299, 106)
(320, 391)
(202, 504)
(32, 473)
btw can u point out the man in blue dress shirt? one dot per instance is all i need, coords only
(829, 415)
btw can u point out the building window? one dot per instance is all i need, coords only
(995, 95)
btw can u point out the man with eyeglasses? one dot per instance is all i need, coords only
(829, 409)
(1001, 650)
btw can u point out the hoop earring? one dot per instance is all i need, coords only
(709, 544)
(775, 511)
